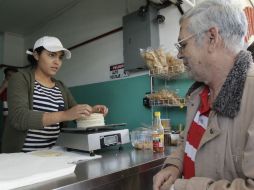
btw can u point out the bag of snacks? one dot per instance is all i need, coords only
(161, 62)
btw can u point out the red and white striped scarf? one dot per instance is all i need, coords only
(195, 133)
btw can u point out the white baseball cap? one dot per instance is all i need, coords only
(51, 44)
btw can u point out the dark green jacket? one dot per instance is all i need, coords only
(21, 116)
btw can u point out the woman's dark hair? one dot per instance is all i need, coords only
(31, 58)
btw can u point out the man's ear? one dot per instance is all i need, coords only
(214, 38)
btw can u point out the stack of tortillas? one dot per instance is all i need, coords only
(95, 119)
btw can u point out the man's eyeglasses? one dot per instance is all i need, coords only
(179, 46)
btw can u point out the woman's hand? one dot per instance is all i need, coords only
(100, 109)
(78, 112)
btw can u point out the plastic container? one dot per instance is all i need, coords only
(174, 138)
(167, 137)
(141, 138)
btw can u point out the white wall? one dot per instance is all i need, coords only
(13, 50)
(85, 20)
(170, 28)
(90, 63)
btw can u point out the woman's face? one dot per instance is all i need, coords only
(49, 62)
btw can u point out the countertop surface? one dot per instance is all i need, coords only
(124, 162)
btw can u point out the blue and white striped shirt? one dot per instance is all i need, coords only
(45, 100)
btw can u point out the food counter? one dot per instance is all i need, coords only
(117, 169)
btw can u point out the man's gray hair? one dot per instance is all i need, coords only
(228, 17)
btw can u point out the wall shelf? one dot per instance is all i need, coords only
(173, 72)
(166, 98)
(167, 103)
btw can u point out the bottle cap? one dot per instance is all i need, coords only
(157, 114)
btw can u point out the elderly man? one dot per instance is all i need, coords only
(216, 151)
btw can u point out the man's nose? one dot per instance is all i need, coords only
(179, 55)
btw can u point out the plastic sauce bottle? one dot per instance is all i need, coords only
(158, 133)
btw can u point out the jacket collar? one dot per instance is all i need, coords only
(228, 101)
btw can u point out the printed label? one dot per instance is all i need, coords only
(158, 140)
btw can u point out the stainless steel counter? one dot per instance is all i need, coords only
(122, 170)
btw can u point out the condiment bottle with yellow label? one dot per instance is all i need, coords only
(158, 133)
